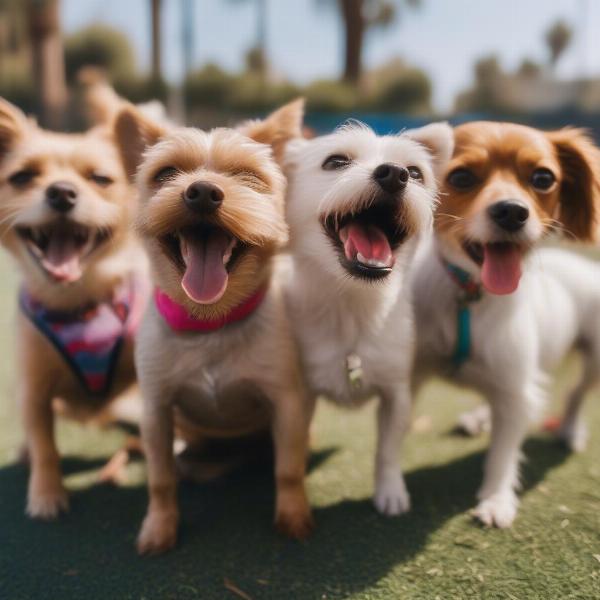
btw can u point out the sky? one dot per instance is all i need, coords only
(305, 42)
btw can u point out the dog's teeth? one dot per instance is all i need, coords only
(229, 251)
(371, 262)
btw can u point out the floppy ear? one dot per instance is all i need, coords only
(13, 123)
(134, 132)
(278, 128)
(438, 138)
(579, 158)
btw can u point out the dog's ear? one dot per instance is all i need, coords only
(134, 132)
(438, 138)
(278, 128)
(579, 158)
(13, 124)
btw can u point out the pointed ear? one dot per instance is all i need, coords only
(438, 138)
(579, 158)
(278, 128)
(134, 132)
(13, 124)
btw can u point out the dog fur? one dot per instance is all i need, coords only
(243, 378)
(518, 337)
(31, 160)
(342, 310)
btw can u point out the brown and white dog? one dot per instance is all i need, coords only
(496, 313)
(215, 355)
(65, 212)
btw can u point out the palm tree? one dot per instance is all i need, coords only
(48, 59)
(257, 55)
(155, 11)
(558, 38)
(358, 17)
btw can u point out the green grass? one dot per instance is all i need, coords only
(553, 550)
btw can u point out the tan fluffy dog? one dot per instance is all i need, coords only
(215, 353)
(65, 208)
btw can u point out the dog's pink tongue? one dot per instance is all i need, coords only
(61, 258)
(205, 277)
(369, 241)
(501, 269)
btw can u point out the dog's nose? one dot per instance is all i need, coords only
(202, 196)
(510, 215)
(390, 178)
(61, 196)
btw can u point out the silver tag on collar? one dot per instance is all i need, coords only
(354, 370)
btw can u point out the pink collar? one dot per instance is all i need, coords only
(179, 319)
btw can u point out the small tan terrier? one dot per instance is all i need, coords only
(215, 353)
(65, 210)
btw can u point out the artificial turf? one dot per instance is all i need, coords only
(227, 548)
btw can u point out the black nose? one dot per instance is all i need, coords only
(61, 196)
(509, 215)
(202, 196)
(390, 178)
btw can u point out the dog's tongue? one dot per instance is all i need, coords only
(61, 258)
(205, 277)
(368, 241)
(501, 269)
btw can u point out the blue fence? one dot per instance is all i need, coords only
(391, 123)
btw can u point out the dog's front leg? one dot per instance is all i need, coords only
(393, 420)
(159, 529)
(291, 421)
(46, 495)
(498, 501)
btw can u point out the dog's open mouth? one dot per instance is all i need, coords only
(206, 255)
(62, 247)
(366, 240)
(500, 262)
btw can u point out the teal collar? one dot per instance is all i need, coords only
(470, 292)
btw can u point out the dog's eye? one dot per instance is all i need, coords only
(336, 161)
(165, 174)
(102, 180)
(542, 179)
(462, 179)
(22, 177)
(415, 173)
(250, 178)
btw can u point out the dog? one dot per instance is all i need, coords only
(495, 312)
(65, 211)
(357, 206)
(215, 353)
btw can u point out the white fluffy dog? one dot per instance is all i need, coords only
(496, 315)
(357, 204)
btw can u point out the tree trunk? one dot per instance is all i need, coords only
(354, 26)
(48, 60)
(156, 40)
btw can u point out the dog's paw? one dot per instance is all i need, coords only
(158, 533)
(48, 502)
(297, 525)
(391, 496)
(574, 435)
(475, 422)
(498, 510)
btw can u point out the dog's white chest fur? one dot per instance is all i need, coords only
(218, 380)
(352, 343)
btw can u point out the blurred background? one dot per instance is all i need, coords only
(393, 63)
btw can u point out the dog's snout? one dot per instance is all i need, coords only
(391, 178)
(61, 196)
(510, 215)
(202, 196)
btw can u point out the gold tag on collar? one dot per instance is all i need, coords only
(354, 370)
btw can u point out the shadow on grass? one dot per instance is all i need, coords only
(226, 534)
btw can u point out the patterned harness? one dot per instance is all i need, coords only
(90, 338)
